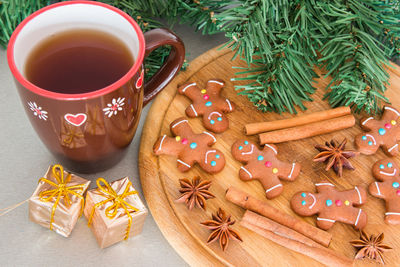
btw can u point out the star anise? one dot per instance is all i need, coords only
(194, 193)
(335, 155)
(370, 247)
(219, 225)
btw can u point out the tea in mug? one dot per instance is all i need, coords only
(78, 61)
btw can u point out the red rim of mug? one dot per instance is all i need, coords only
(37, 90)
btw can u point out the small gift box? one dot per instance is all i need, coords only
(58, 200)
(114, 211)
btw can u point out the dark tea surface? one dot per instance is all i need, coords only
(78, 61)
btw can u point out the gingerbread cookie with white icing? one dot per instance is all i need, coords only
(190, 148)
(380, 133)
(264, 166)
(209, 104)
(332, 205)
(386, 171)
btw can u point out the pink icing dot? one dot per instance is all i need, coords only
(398, 192)
(184, 141)
(268, 164)
(205, 97)
(388, 126)
(338, 203)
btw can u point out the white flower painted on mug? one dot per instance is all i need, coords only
(113, 107)
(38, 111)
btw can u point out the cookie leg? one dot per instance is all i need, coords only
(391, 149)
(392, 218)
(325, 223)
(392, 215)
(274, 191)
(360, 220)
(184, 166)
(272, 186)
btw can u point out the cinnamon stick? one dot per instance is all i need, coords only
(246, 201)
(323, 255)
(276, 228)
(309, 130)
(261, 127)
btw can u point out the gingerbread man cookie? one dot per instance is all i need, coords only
(190, 148)
(383, 132)
(387, 172)
(209, 104)
(332, 205)
(264, 166)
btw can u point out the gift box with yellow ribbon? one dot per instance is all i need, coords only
(58, 201)
(114, 211)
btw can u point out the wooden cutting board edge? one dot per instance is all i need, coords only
(173, 230)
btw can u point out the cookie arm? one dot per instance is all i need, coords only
(390, 113)
(192, 112)
(214, 86)
(181, 127)
(166, 146)
(377, 189)
(208, 138)
(324, 186)
(245, 173)
(227, 106)
(190, 90)
(368, 123)
(288, 171)
(357, 196)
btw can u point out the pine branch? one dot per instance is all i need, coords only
(353, 57)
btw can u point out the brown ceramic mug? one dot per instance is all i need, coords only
(89, 131)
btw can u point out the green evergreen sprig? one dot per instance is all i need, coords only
(281, 41)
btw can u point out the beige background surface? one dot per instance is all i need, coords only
(24, 159)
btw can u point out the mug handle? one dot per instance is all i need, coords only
(154, 39)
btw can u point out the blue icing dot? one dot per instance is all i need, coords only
(212, 121)
(329, 202)
(260, 157)
(213, 163)
(217, 156)
(382, 131)
(395, 184)
(246, 142)
(303, 203)
(390, 165)
(193, 145)
(303, 194)
(364, 138)
(240, 147)
(219, 119)
(208, 104)
(381, 166)
(370, 143)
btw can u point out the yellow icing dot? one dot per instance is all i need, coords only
(178, 138)
(347, 202)
(203, 91)
(274, 170)
(393, 122)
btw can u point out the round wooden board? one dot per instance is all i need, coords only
(181, 227)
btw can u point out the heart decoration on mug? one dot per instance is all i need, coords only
(75, 119)
(139, 81)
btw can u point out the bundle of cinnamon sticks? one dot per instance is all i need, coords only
(286, 230)
(297, 128)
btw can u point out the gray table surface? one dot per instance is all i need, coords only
(24, 159)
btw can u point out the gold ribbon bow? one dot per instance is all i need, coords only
(118, 202)
(61, 191)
